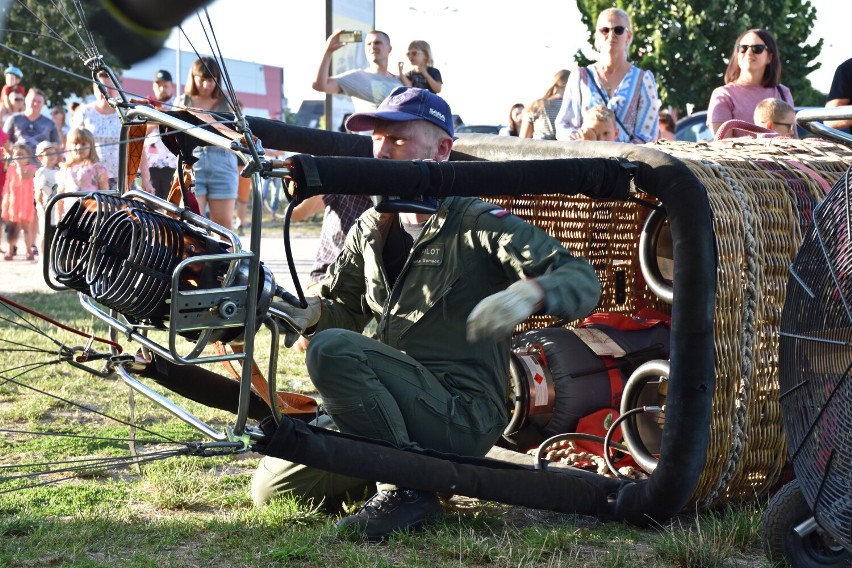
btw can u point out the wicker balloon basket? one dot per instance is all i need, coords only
(761, 192)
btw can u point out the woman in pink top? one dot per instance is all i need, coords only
(753, 74)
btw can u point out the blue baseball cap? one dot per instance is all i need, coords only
(14, 71)
(404, 104)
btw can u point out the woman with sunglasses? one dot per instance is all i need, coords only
(753, 74)
(613, 82)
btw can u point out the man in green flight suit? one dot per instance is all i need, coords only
(446, 290)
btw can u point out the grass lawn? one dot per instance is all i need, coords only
(189, 511)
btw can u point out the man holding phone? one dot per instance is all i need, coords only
(367, 87)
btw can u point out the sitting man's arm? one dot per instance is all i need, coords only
(545, 277)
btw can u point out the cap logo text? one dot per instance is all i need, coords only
(437, 115)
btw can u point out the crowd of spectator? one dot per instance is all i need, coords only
(44, 156)
(609, 99)
(576, 106)
(751, 80)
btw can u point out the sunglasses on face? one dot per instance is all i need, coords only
(755, 49)
(619, 30)
(19, 100)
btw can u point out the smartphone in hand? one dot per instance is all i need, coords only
(351, 36)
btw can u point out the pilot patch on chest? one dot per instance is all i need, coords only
(430, 255)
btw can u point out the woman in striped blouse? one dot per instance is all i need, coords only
(614, 82)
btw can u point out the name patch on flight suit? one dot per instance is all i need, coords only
(430, 256)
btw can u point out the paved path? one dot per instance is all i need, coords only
(20, 275)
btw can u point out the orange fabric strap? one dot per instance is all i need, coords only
(134, 148)
(288, 402)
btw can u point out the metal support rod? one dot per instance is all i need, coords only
(184, 415)
(251, 306)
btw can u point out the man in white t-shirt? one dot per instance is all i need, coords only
(367, 87)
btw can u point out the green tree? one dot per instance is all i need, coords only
(52, 41)
(687, 44)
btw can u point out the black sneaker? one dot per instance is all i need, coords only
(388, 512)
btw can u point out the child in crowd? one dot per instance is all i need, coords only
(421, 72)
(49, 154)
(776, 115)
(13, 77)
(18, 207)
(82, 170)
(4, 138)
(599, 124)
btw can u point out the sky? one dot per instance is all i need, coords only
(491, 53)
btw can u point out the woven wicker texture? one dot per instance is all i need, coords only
(603, 232)
(761, 193)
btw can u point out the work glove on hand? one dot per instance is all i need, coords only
(496, 316)
(299, 318)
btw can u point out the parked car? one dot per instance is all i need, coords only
(693, 128)
(478, 129)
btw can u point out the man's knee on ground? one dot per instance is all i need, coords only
(275, 476)
(311, 487)
(322, 350)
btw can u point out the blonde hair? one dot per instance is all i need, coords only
(599, 113)
(621, 14)
(83, 137)
(425, 48)
(44, 146)
(773, 110)
(560, 79)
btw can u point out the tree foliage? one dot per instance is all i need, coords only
(687, 44)
(49, 36)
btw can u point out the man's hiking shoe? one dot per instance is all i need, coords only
(388, 512)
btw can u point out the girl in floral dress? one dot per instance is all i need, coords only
(18, 207)
(82, 170)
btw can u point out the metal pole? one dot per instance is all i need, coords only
(329, 10)
(177, 68)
